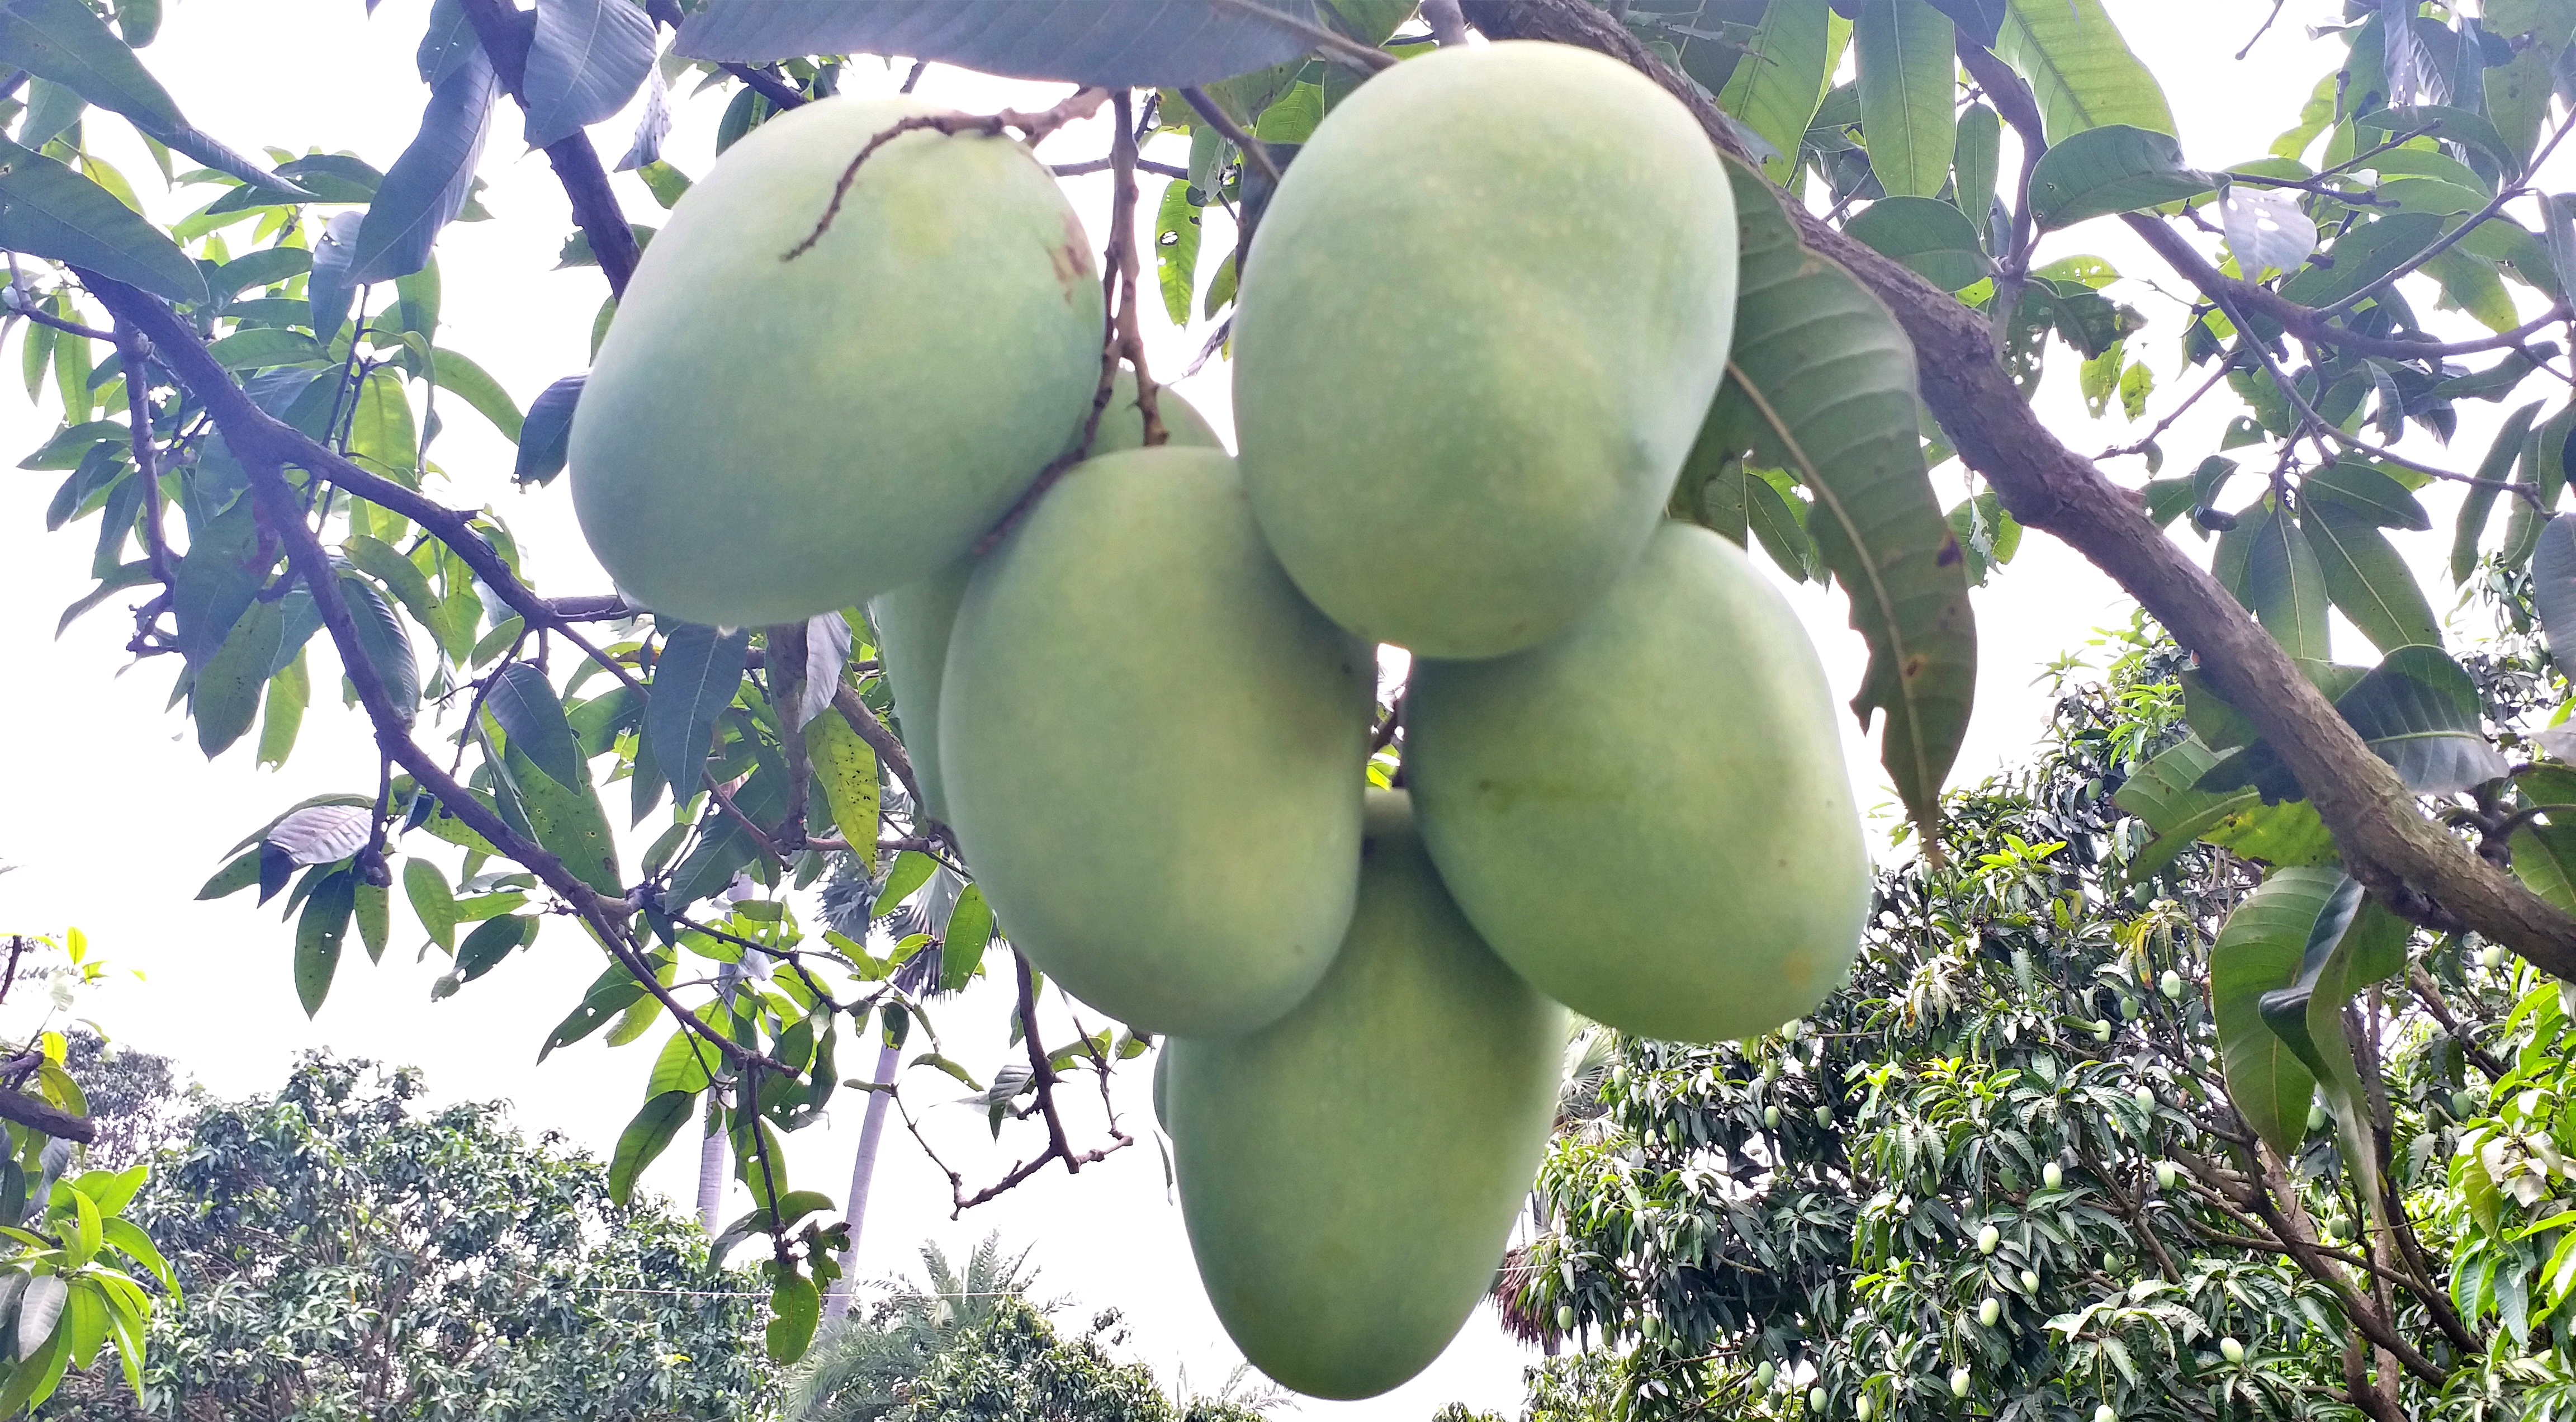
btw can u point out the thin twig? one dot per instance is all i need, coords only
(1032, 126)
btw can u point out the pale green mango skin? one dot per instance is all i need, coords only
(1350, 1173)
(1481, 323)
(1648, 815)
(912, 622)
(764, 440)
(1151, 748)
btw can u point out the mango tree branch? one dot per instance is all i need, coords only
(40, 1115)
(505, 31)
(2405, 860)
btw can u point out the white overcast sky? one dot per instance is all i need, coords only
(114, 818)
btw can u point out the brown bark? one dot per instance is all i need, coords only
(2403, 858)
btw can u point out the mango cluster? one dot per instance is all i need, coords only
(1480, 325)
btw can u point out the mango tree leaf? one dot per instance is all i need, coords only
(1781, 78)
(318, 934)
(846, 768)
(384, 643)
(2553, 585)
(2367, 579)
(547, 432)
(224, 695)
(524, 703)
(795, 1307)
(1822, 384)
(563, 816)
(2369, 492)
(2111, 168)
(1115, 44)
(1931, 237)
(427, 186)
(970, 931)
(2079, 68)
(2352, 944)
(431, 901)
(587, 59)
(2286, 587)
(612, 992)
(2478, 505)
(696, 678)
(644, 1138)
(2164, 793)
(491, 941)
(1908, 86)
(471, 383)
(47, 210)
(2454, 125)
(1975, 163)
(2260, 950)
(2544, 858)
(2419, 711)
(329, 289)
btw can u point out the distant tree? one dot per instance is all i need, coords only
(346, 1253)
(857, 1368)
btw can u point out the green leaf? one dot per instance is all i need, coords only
(2544, 858)
(2260, 950)
(794, 1307)
(1822, 383)
(547, 432)
(846, 768)
(612, 992)
(472, 384)
(384, 644)
(521, 699)
(2286, 587)
(2449, 124)
(1780, 79)
(911, 870)
(491, 941)
(431, 901)
(318, 933)
(2111, 168)
(2478, 505)
(290, 691)
(64, 41)
(585, 60)
(2363, 254)
(1176, 250)
(2553, 585)
(224, 696)
(261, 347)
(564, 818)
(2367, 579)
(47, 210)
(2471, 283)
(381, 561)
(1929, 236)
(128, 1238)
(644, 1139)
(2352, 944)
(234, 877)
(2420, 712)
(2165, 794)
(427, 186)
(2079, 68)
(970, 931)
(1908, 86)
(382, 437)
(2370, 492)
(696, 678)
(1976, 162)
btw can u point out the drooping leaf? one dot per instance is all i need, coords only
(970, 931)
(384, 643)
(644, 1139)
(1176, 250)
(491, 941)
(524, 702)
(2079, 68)
(2367, 579)
(2544, 858)
(431, 901)
(47, 210)
(2111, 168)
(795, 1307)
(564, 817)
(699, 672)
(1975, 164)
(1781, 77)
(472, 384)
(1822, 384)
(2553, 586)
(1109, 43)
(1908, 88)
(224, 695)
(846, 768)
(547, 432)
(2352, 944)
(1931, 237)
(427, 186)
(2165, 794)
(318, 934)
(2286, 587)
(611, 993)
(2420, 712)
(66, 42)
(587, 58)
(2477, 506)
(2370, 492)
(2260, 950)
(329, 289)
(290, 691)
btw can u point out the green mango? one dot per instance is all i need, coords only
(1648, 815)
(1350, 1173)
(912, 622)
(1475, 344)
(763, 439)
(1151, 748)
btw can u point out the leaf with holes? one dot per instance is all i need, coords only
(1117, 44)
(318, 935)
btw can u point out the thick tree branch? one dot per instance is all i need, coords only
(505, 31)
(2406, 860)
(37, 1114)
